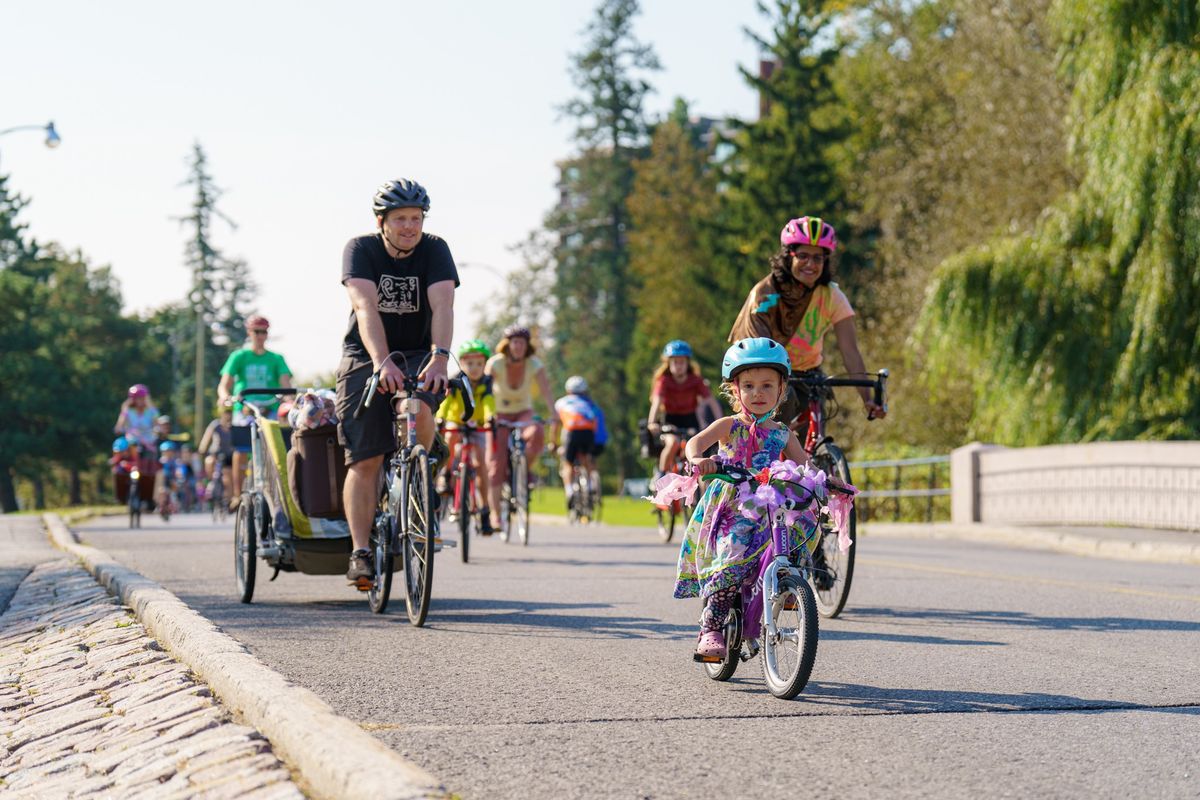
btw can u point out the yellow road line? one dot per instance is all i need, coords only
(998, 576)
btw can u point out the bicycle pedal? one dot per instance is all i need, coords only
(706, 659)
(364, 584)
(790, 604)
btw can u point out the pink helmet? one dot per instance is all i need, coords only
(809, 230)
(138, 390)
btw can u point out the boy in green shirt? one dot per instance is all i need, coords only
(254, 366)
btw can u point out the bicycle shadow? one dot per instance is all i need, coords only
(865, 700)
(975, 618)
(446, 614)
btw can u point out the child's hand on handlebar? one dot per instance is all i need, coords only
(874, 410)
(703, 466)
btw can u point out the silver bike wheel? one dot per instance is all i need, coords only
(520, 498)
(788, 658)
(421, 528)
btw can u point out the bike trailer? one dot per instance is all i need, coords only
(312, 545)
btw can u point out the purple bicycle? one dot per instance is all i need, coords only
(775, 616)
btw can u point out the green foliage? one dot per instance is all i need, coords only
(593, 325)
(674, 198)
(958, 118)
(780, 165)
(1089, 326)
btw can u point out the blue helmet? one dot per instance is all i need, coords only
(677, 347)
(760, 352)
(167, 446)
(120, 444)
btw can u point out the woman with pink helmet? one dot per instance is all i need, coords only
(798, 303)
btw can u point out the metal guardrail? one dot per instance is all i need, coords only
(860, 471)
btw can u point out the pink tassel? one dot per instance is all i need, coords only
(839, 513)
(672, 487)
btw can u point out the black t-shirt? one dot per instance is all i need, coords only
(402, 285)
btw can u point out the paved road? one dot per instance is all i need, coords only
(563, 670)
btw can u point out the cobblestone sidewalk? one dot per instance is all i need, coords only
(90, 706)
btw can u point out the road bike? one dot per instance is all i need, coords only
(514, 494)
(463, 503)
(775, 616)
(675, 513)
(135, 497)
(406, 521)
(833, 569)
(584, 497)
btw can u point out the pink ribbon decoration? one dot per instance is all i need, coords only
(839, 513)
(672, 487)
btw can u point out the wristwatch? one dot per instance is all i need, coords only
(440, 351)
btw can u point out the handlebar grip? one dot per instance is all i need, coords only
(369, 390)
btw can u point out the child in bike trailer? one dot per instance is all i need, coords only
(580, 419)
(472, 357)
(722, 545)
(678, 392)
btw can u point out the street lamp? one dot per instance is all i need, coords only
(53, 140)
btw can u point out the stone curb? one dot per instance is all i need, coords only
(335, 757)
(1042, 539)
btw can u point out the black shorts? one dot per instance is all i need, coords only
(373, 433)
(578, 443)
(598, 449)
(682, 421)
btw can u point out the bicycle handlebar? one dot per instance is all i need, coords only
(276, 392)
(409, 385)
(878, 384)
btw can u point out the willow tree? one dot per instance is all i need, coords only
(1088, 326)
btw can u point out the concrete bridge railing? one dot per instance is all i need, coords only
(1134, 484)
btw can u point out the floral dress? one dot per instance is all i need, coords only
(721, 546)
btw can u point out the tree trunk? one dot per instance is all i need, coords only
(76, 488)
(39, 492)
(8, 492)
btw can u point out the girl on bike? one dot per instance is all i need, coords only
(136, 423)
(721, 546)
(514, 370)
(678, 392)
(472, 357)
(798, 303)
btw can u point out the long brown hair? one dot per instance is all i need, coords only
(665, 366)
(503, 347)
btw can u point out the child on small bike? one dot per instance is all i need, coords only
(472, 357)
(679, 392)
(722, 546)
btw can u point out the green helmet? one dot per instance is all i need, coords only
(472, 346)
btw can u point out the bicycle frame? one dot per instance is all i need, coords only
(777, 562)
(465, 454)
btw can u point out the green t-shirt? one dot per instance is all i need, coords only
(249, 369)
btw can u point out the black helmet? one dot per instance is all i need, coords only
(400, 193)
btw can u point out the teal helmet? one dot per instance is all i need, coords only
(760, 352)
(167, 447)
(677, 347)
(120, 444)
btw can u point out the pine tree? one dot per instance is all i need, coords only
(673, 202)
(593, 317)
(781, 166)
(1089, 326)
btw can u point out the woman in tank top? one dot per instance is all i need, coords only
(514, 369)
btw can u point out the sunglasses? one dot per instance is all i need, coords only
(259, 331)
(805, 258)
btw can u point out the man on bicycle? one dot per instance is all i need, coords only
(579, 418)
(401, 284)
(798, 303)
(256, 367)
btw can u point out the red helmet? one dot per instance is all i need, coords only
(138, 390)
(257, 321)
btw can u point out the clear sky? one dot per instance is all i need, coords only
(304, 108)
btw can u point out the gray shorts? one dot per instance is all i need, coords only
(373, 433)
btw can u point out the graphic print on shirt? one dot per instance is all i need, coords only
(399, 295)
